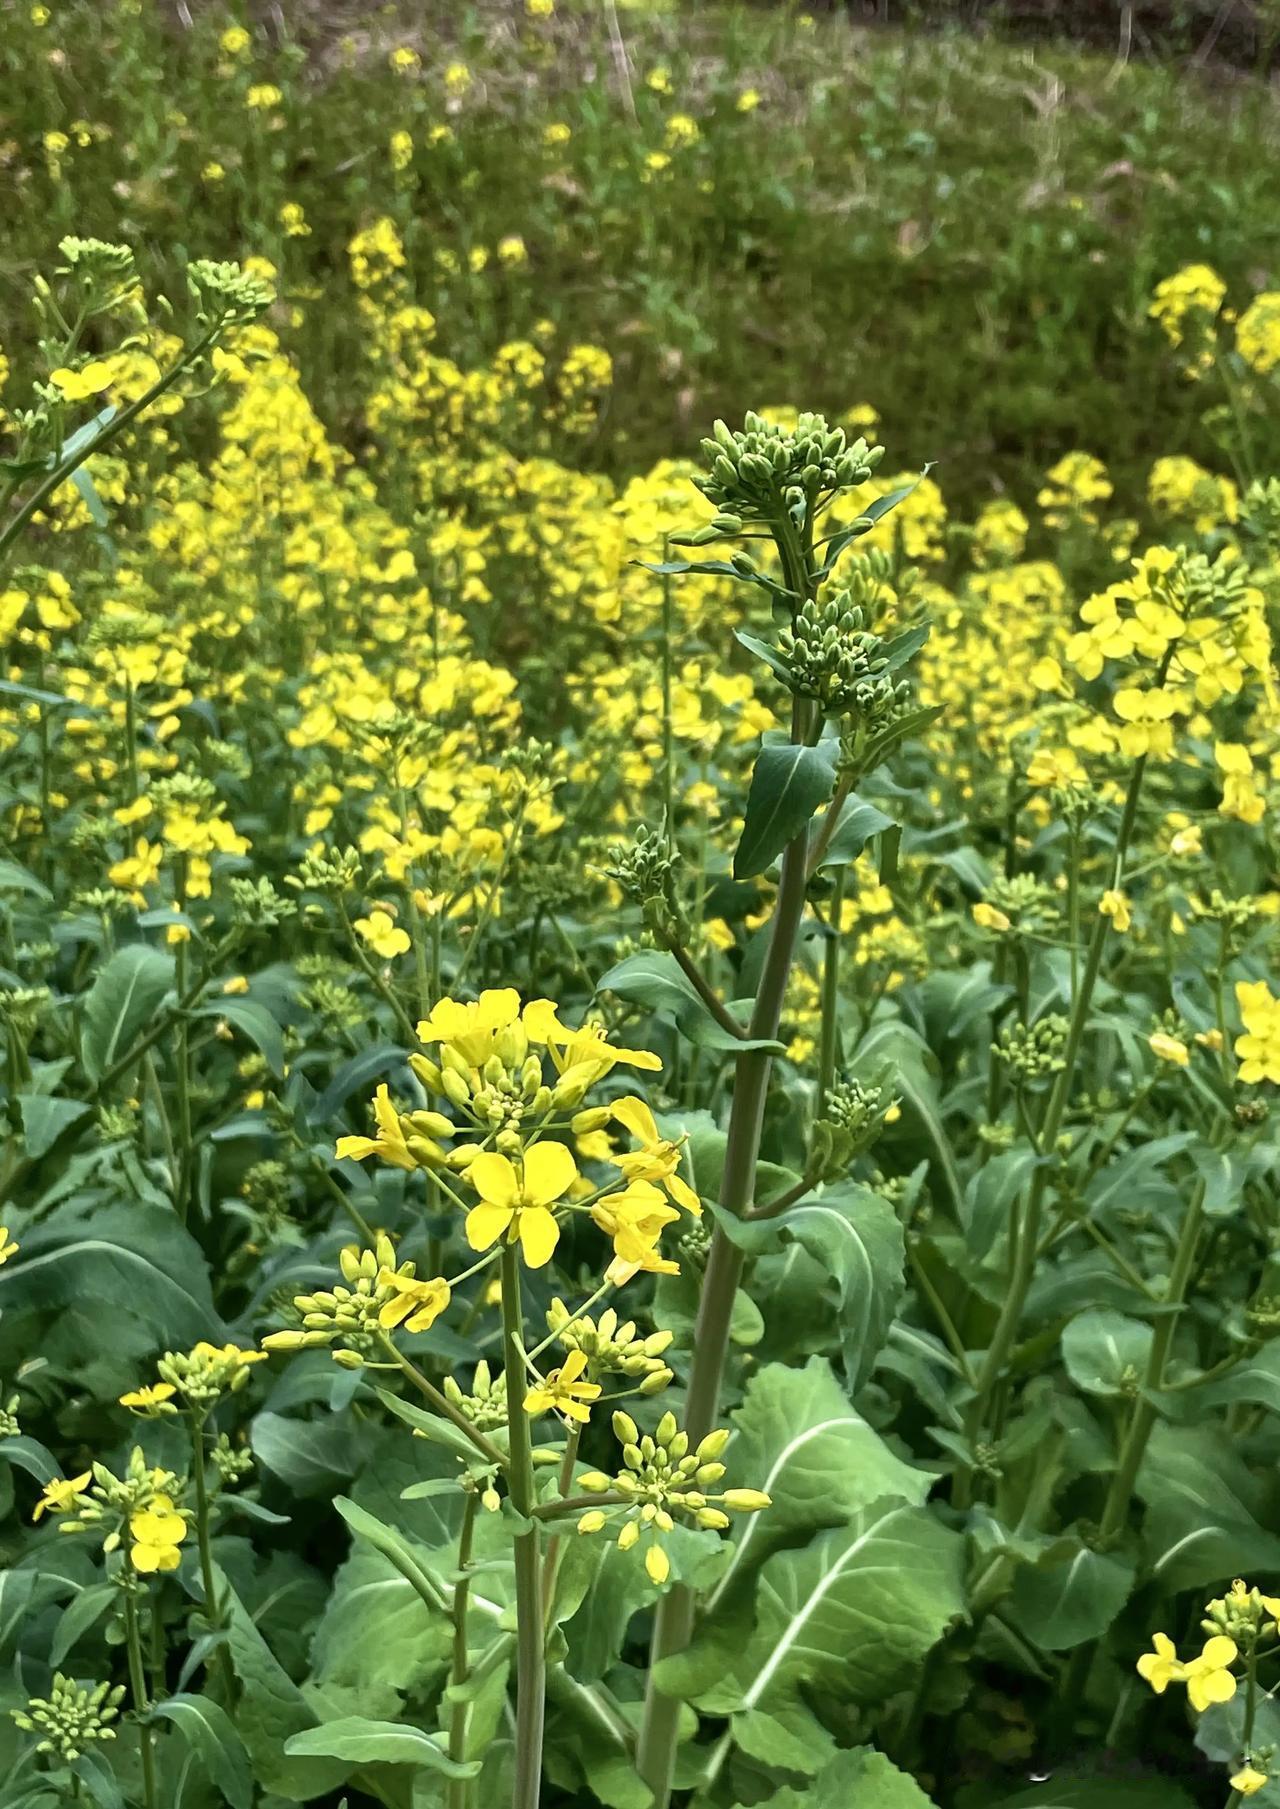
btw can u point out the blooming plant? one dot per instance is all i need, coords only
(640, 1162)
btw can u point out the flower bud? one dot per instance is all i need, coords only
(427, 1072)
(625, 1429)
(745, 1501)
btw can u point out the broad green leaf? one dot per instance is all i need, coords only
(135, 1261)
(857, 1236)
(45, 1118)
(854, 1611)
(790, 781)
(312, 1456)
(857, 823)
(860, 1776)
(797, 1437)
(271, 1709)
(396, 1548)
(377, 1637)
(1105, 1352)
(365, 1742)
(1066, 1599)
(214, 1743)
(121, 1003)
(81, 1613)
(1100, 1793)
(252, 1020)
(653, 978)
(354, 1076)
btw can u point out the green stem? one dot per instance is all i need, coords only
(673, 1624)
(830, 1034)
(72, 462)
(460, 1712)
(443, 1405)
(1023, 1267)
(204, 1544)
(668, 726)
(531, 1676)
(141, 1701)
(702, 986)
(1116, 1511)
(555, 1544)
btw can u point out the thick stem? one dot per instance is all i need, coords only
(531, 1675)
(141, 1701)
(830, 1036)
(673, 1623)
(204, 1544)
(460, 1712)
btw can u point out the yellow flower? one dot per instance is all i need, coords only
(235, 986)
(77, 386)
(62, 1493)
(7, 1249)
(1161, 1667)
(417, 1305)
(404, 60)
(635, 1219)
(469, 1027)
(390, 1142)
(748, 100)
(157, 1533)
(987, 917)
(1208, 1678)
(657, 1159)
(516, 1203)
(383, 934)
(564, 1391)
(400, 148)
(1259, 1047)
(1169, 1048)
(150, 1400)
(234, 40)
(1248, 1781)
(1115, 905)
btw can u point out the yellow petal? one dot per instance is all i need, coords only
(549, 1172)
(486, 1223)
(634, 1115)
(539, 1235)
(494, 1179)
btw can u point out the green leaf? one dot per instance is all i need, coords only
(377, 1742)
(798, 1438)
(433, 1426)
(45, 1118)
(857, 823)
(1066, 1599)
(122, 1000)
(860, 1776)
(854, 1612)
(271, 1709)
(763, 651)
(254, 1021)
(1100, 1793)
(377, 1639)
(396, 1548)
(1104, 1351)
(83, 1611)
(137, 1261)
(653, 978)
(789, 783)
(858, 1238)
(311, 1456)
(214, 1743)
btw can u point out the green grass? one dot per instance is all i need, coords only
(962, 233)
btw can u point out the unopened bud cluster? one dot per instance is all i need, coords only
(612, 1348)
(203, 1375)
(1243, 1614)
(762, 471)
(486, 1405)
(71, 1717)
(331, 871)
(502, 1097)
(832, 655)
(1033, 1053)
(225, 295)
(350, 1318)
(646, 874)
(852, 1118)
(662, 1476)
